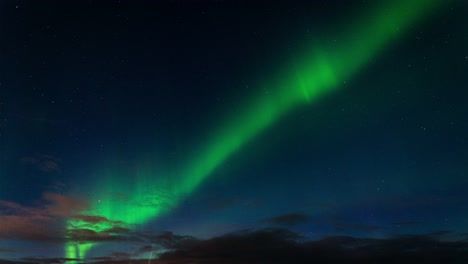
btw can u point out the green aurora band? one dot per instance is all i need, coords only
(318, 72)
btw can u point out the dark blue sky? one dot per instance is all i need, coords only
(94, 94)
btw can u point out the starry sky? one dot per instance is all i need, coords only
(185, 130)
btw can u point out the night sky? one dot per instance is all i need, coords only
(208, 130)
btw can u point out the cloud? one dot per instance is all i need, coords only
(168, 240)
(5, 261)
(44, 222)
(93, 219)
(146, 249)
(49, 260)
(57, 218)
(43, 162)
(288, 219)
(341, 225)
(283, 246)
(406, 223)
(61, 205)
(92, 228)
(12, 207)
(21, 227)
(346, 227)
(85, 235)
(279, 245)
(102, 259)
(120, 255)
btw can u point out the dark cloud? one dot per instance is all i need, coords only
(110, 260)
(341, 225)
(101, 259)
(43, 162)
(441, 233)
(119, 231)
(5, 261)
(273, 245)
(92, 219)
(115, 231)
(406, 223)
(146, 249)
(50, 260)
(120, 255)
(82, 228)
(83, 235)
(282, 246)
(347, 227)
(168, 240)
(288, 219)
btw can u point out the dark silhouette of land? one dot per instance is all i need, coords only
(284, 246)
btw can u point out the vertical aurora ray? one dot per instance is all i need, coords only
(76, 251)
(318, 72)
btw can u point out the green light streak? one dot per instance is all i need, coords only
(76, 251)
(317, 73)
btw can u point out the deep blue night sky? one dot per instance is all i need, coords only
(102, 101)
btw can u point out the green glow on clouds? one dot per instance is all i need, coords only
(139, 196)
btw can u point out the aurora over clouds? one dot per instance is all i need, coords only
(150, 141)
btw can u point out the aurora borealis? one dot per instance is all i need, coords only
(152, 136)
(314, 76)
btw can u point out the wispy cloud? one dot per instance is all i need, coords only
(406, 223)
(290, 219)
(43, 162)
(49, 260)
